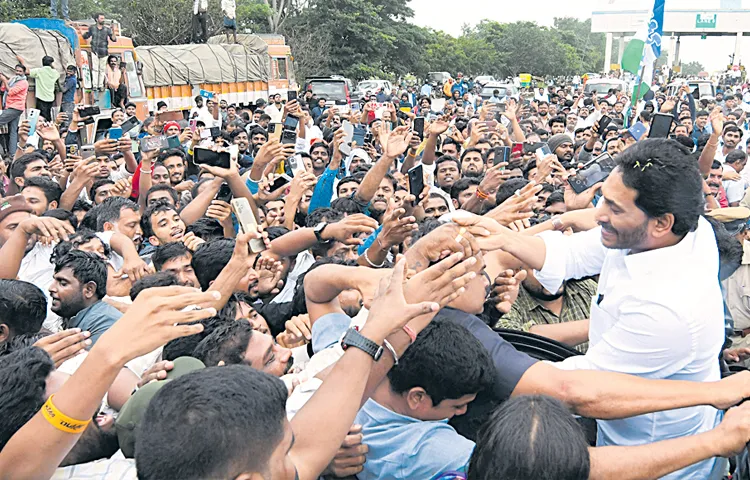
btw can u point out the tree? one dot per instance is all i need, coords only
(20, 9)
(692, 68)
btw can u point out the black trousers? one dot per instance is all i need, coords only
(45, 109)
(200, 29)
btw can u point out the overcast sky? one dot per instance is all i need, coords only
(449, 16)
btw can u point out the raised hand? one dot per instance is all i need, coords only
(517, 207)
(505, 290)
(348, 230)
(64, 345)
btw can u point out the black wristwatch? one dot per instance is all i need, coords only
(355, 339)
(318, 231)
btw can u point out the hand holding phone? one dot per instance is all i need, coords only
(247, 222)
(416, 183)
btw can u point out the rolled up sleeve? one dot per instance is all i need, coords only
(574, 256)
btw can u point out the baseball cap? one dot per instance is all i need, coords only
(16, 203)
(132, 412)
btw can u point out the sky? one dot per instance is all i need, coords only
(450, 16)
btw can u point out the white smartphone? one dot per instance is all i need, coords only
(346, 146)
(247, 221)
(297, 165)
(32, 116)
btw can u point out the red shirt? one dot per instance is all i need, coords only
(16, 97)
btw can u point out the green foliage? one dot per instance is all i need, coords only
(20, 9)
(692, 68)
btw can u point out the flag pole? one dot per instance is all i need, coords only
(636, 98)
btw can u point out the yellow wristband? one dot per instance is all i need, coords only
(61, 421)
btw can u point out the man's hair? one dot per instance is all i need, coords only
(51, 189)
(462, 184)
(731, 128)
(348, 179)
(715, 165)
(469, 150)
(264, 117)
(276, 232)
(86, 267)
(346, 205)
(530, 437)
(448, 158)
(152, 210)
(167, 252)
(557, 119)
(95, 186)
(18, 166)
(109, 210)
(246, 411)
(257, 130)
(173, 152)
(735, 156)
(158, 279)
(47, 61)
(161, 104)
(227, 343)
(210, 258)
(184, 346)
(81, 205)
(554, 197)
(62, 215)
(446, 360)
(23, 306)
(164, 188)
(508, 188)
(320, 145)
(23, 375)
(666, 180)
(206, 228)
(324, 214)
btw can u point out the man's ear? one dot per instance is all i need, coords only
(52, 205)
(19, 182)
(89, 290)
(663, 225)
(153, 240)
(416, 398)
(108, 227)
(4, 333)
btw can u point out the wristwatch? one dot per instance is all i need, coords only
(318, 231)
(353, 338)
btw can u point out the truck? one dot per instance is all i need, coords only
(259, 66)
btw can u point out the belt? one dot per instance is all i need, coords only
(742, 333)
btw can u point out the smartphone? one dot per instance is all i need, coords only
(32, 116)
(149, 144)
(296, 165)
(193, 124)
(129, 124)
(637, 130)
(501, 107)
(291, 122)
(604, 123)
(215, 131)
(542, 151)
(355, 107)
(173, 141)
(517, 148)
(346, 145)
(206, 94)
(280, 182)
(115, 133)
(661, 125)
(205, 133)
(291, 95)
(248, 223)
(71, 150)
(274, 131)
(358, 136)
(418, 127)
(174, 116)
(416, 182)
(89, 111)
(490, 125)
(502, 154)
(597, 170)
(206, 156)
(288, 137)
(368, 138)
(224, 194)
(87, 151)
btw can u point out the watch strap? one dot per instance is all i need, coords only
(353, 338)
(318, 231)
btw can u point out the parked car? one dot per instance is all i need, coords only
(505, 90)
(699, 88)
(602, 86)
(335, 89)
(485, 79)
(371, 86)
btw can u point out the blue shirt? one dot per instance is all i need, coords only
(402, 447)
(97, 319)
(69, 89)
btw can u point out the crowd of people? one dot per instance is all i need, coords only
(367, 322)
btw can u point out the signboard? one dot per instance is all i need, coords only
(705, 20)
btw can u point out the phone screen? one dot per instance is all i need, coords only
(597, 170)
(291, 122)
(604, 123)
(419, 126)
(542, 151)
(129, 124)
(416, 182)
(225, 193)
(291, 95)
(502, 154)
(206, 156)
(517, 148)
(661, 125)
(281, 181)
(173, 142)
(359, 134)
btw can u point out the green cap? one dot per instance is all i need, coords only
(132, 412)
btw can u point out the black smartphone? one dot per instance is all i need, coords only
(661, 125)
(288, 137)
(502, 154)
(359, 136)
(416, 182)
(291, 122)
(419, 127)
(129, 124)
(280, 182)
(224, 194)
(215, 132)
(597, 170)
(206, 156)
(368, 138)
(291, 95)
(173, 141)
(89, 111)
(604, 123)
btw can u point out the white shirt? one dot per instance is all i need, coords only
(36, 268)
(228, 7)
(659, 315)
(116, 468)
(272, 111)
(735, 188)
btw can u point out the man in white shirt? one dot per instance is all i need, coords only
(200, 16)
(658, 312)
(734, 184)
(274, 108)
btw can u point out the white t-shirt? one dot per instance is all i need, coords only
(735, 188)
(36, 268)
